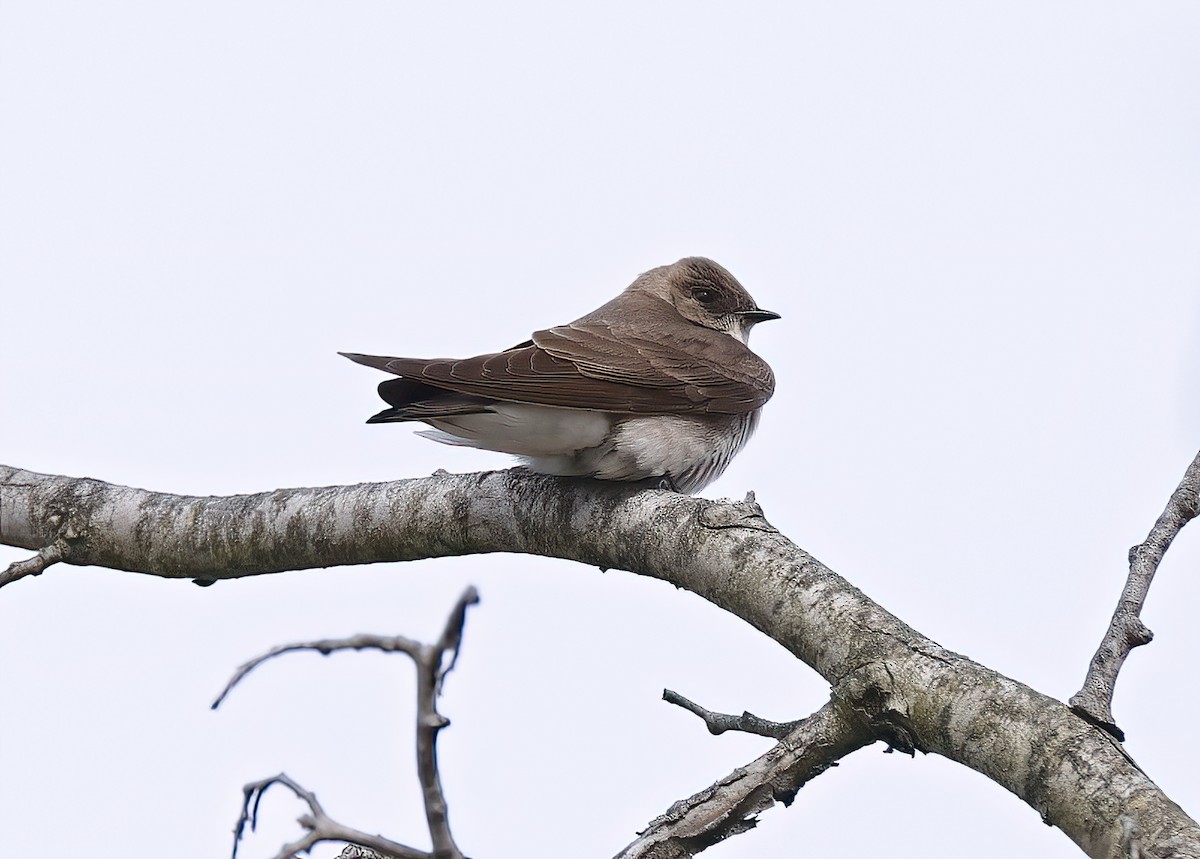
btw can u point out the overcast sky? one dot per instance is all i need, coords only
(980, 222)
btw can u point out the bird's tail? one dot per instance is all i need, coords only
(412, 400)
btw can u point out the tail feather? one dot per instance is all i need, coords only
(444, 437)
(413, 400)
(379, 362)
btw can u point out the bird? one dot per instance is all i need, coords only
(657, 384)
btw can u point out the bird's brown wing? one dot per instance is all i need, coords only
(587, 366)
(697, 369)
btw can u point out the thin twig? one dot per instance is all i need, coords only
(452, 634)
(433, 662)
(50, 555)
(719, 723)
(431, 672)
(325, 646)
(731, 806)
(1126, 630)
(320, 826)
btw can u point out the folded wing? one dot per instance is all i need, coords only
(585, 365)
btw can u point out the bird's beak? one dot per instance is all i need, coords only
(757, 315)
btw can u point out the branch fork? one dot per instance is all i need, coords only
(731, 806)
(433, 662)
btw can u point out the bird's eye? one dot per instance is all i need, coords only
(704, 296)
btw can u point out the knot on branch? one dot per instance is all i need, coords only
(735, 514)
(69, 507)
(1137, 633)
(870, 695)
(1131, 837)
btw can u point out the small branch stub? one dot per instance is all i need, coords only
(35, 566)
(719, 723)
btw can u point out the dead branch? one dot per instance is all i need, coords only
(52, 554)
(731, 806)
(1126, 630)
(719, 723)
(433, 662)
(320, 826)
(326, 646)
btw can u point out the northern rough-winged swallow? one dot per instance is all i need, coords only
(657, 383)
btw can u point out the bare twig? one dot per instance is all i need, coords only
(452, 635)
(1126, 630)
(731, 805)
(320, 826)
(52, 554)
(433, 662)
(430, 674)
(325, 646)
(719, 723)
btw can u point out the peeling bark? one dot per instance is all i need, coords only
(907, 689)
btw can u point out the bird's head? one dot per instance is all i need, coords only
(706, 294)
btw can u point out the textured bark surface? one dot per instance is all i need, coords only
(905, 688)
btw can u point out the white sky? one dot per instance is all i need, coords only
(981, 223)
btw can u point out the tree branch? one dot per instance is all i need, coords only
(1126, 630)
(320, 826)
(907, 689)
(325, 646)
(732, 805)
(432, 667)
(52, 554)
(719, 723)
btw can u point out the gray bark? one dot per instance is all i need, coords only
(904, 688)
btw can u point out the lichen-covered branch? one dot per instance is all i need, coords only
(908, 690)
(1126, 630)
